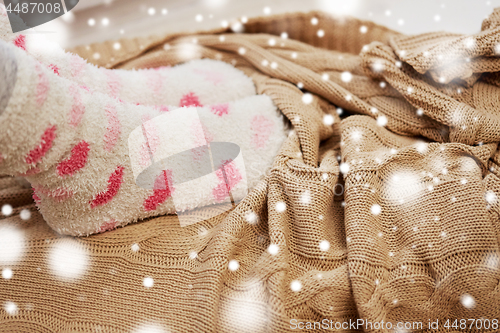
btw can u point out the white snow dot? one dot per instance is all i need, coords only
(265, 62)
(251, 217)
(198, 18)
(363, 29)
(105, 21)
(224, 24)
(237, 27)
(12, 244)
(271, 41)
(399, 64)
(233, 265)
(420, 112)
(468, 301)
(376, 209)
(148, 282)
(377, 66)
(339, 111)
(296, 285)
(294, 55)
(324, 176)
(164, 11)
(388, 13)
(356, 135)
(148, 328)
(325, 77)
(382, 84)
(490, 197)
(307, 98)
(469, 42)
(91, 22)
(437, 18)
(242, 51)
(314, 21)
(96, 56)
(348, 97)
(324, 245)
(391, 254)
(7, 209)
(135, 247)
(151, 11)
(117, 46)
(273, 249)
(284, 35)
(382, 120)
(300, 85)
(274, 65)
(421, 147)
(267, 10)
(321, 33)
(69, 259)
(10, 308)
(401, 22)
(497, 49)
(328, 119)
(344, 168)
(346, 76)
(280, 206)
(244, 19)
(7, 273)
(305, 198)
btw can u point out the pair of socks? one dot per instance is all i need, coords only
(69, 135)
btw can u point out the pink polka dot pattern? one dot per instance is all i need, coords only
(46, 141)
(76, 161)
(220, 109)
(114, 183)
(261, 130)
(42, 87)
(113, 130)
(229, 176)
(78, 108)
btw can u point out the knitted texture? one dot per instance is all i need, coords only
(391, 214)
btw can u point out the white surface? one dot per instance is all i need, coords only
(133, 18)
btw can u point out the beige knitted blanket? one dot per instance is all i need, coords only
(381, 208)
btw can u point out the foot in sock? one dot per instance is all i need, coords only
(196, 83)
(72, 145)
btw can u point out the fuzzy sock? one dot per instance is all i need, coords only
(73, 146)
(196, 83)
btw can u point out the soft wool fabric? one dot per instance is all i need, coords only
(407, 232)
(196, 83)
(75, 154)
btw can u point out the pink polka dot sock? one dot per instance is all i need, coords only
(196, 83)
(72, 144)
